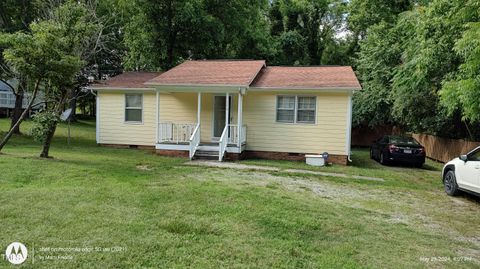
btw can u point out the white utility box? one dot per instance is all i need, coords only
(315, 160)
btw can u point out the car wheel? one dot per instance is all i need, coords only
(382, 159)
(450, 183)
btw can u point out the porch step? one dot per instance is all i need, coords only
(206, 155)
(208, 147)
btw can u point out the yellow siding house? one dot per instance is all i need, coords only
(230, 110)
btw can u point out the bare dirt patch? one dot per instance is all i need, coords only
(417, 209)
(144, 167)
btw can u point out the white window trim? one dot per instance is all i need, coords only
(295, 109)
(314, 110)
(125, 109)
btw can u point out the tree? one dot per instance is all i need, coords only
(410, 62)
(303, 30)
(461, 91)
(36, 55)
(16, 16)
(366, 13)
(380, 53)
(427, 58)
(105, 58)
(162, 33)
(79, 34)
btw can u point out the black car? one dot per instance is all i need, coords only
(398, 149)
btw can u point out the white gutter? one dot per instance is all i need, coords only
(200, 88)
(120, 89)
(303, 89)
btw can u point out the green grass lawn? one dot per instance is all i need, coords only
(138, 210)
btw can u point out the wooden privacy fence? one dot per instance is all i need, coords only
(444, 149)
(363, 136)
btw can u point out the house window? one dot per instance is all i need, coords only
(286, 109)
(306, 109)
(133, 107)
(296, 109)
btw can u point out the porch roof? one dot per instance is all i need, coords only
(226, 73)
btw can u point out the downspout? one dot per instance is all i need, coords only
(349, 128)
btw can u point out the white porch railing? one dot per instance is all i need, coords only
(222, 144)
(175, 132)
(194, 141)
(233, 132)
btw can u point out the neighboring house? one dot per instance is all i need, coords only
(7, 99)
(272, 111)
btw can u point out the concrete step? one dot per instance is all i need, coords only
(206, 152)
(206, 155)
(207, 148)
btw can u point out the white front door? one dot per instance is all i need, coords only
(219, 109)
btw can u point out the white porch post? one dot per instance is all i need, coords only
(199, 106)
(157, 117)
(227, 109)
(239, 120)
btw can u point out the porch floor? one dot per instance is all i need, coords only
(207, 144)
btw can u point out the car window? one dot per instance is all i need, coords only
(475, 156)
(403, 140)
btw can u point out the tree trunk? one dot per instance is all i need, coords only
(48, 141)
(53, 128)
(73, 105)
(93, 107)
(171, 34)
(17, 110)
(22, 116)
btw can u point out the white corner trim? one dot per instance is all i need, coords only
(97, 119)
(348, 141)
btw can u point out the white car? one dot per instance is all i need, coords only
(463, 173)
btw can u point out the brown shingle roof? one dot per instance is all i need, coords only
(213, 72)
(127, 80)
(238, 73)
(311, 77)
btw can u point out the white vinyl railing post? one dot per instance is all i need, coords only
(240, 120)
(175, 132)
(157, 117)
(199, 106)
(227, 109)
(194, 141)
(222, 144)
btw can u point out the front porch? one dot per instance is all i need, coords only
(215, 130)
